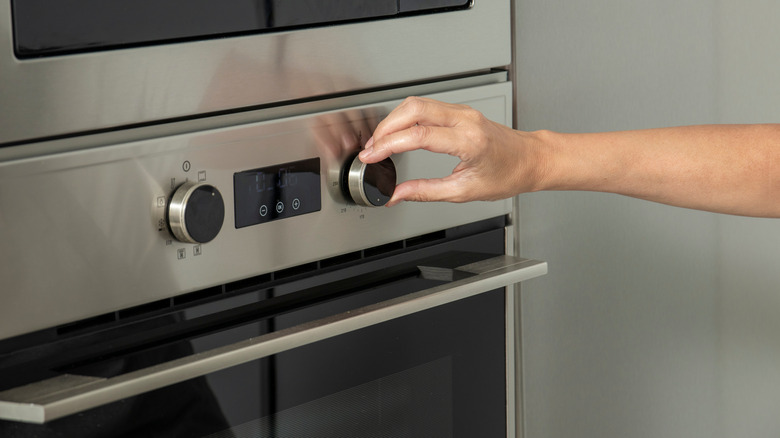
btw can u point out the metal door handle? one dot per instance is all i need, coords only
(68, 394)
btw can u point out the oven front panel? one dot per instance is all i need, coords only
(439, 372)
(43, 28)
(67, 94)
(90, 227)
(430, 374)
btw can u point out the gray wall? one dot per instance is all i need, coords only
(654, 321)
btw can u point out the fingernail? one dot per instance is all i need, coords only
(369, 143)
(365, 153)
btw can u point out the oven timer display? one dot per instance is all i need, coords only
(277, 192)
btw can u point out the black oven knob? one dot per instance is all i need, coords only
(371, 185)
(196, 212)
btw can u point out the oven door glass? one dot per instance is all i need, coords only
(437, 372)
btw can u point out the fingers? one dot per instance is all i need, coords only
(427, 190)
(421, 123)
(416, 112)
(419, 111)
(430, 138)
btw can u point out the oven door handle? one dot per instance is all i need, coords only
(68, 394)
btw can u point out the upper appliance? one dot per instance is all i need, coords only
(84, 65)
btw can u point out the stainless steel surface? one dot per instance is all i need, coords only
(65, 395)
(177, 209)
(67, 144)
(83, 217)
(67, 94)
(513, 350)
(356, 183)
(99, 224)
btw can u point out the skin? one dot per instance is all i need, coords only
(733, 169)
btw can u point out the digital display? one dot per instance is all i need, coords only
(277, 192)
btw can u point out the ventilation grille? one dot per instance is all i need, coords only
(256, 282)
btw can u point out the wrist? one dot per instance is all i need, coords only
(542, 161)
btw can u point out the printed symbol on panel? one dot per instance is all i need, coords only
(186, 166)
(169, 242)
(201, 175)
(160, 201)
(296, 204)
(196, 250)
(160, 224)
(263, 210)
(181, 253)
(279, 207)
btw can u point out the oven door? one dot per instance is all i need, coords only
(406, 340)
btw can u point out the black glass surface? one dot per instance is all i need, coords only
(379, 182)
(277, 192)
(45, 27)
(440, 372)
(205, 213)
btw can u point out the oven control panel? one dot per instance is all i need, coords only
(196, 211)
(132, 223)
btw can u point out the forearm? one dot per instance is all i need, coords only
(731, 169)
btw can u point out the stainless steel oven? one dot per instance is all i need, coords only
(190, 250)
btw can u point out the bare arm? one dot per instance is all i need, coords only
(731, 169)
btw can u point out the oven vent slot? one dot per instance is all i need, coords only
(251, 282)
(144, 309)
(426, 238)
(384, 249)
(341, 260)
(198, 295)
(87, 323)
(296, 270)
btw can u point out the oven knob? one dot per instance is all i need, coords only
(196, 212)
(371, 185)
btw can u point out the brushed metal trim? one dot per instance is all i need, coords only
(177, 208)
(355, 175)
(356, 178)
(67, 144)
(511, 321)
(48, 400)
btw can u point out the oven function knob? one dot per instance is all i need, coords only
(371, 185)
(196, 212)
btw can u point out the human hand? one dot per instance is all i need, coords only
(495, 159)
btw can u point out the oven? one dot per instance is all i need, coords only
(191, 250)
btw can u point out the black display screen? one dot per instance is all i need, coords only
(45, 27)
(277, 192)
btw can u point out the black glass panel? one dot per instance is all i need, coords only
(276, 192)
(45, 27)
